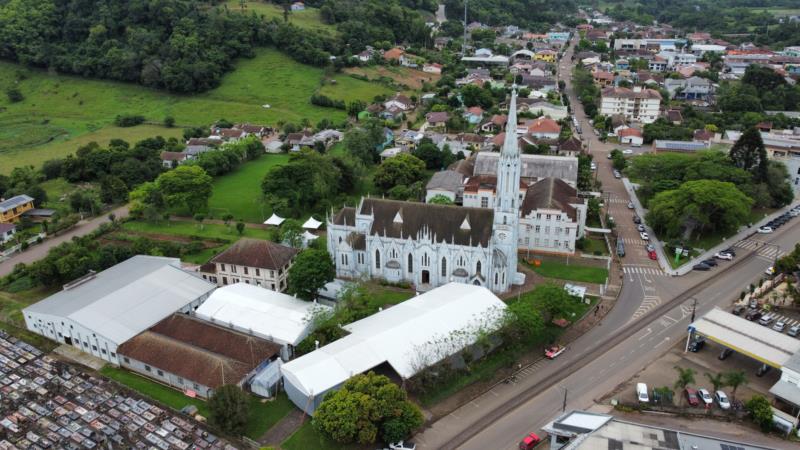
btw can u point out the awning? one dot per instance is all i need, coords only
(308, 236)
(312, 224)
(789, 392)
(274, 220)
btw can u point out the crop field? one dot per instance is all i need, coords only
(59, 113)
(308, 18)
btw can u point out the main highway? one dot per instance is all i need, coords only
(650, 316)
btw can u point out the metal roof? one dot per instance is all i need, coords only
(13, 202)
(749, 338)
(680, 145)
(126, 299)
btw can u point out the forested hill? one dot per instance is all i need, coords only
(187, 45)
(532, 14)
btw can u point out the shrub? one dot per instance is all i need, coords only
(128, 120)
(14, 95)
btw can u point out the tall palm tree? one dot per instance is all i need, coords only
(717, 381)
(734, 379)
(685, 378)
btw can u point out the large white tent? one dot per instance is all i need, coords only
(312, 224)
(274, 220)
(264, 313)
(409, 337)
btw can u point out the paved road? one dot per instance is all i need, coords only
(39, 251)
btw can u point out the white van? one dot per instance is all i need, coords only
(641, 393)
(766, 319)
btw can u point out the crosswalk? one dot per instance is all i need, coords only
(789, 322)
(643, 270)
(632, 241)
(768, 252)
(649, 303)
(618, 200)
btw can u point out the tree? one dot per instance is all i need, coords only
(186, 187)
(440, 199)
(199, 218)
(685, 378)
(240, 227)
(618, 159)
(228, 408)
(435, 158)
(749, 153)
(367, 407)
(734, 379)
(403, 169)
(311, 270)
(291, 233)
(169, 121)
(761, 411)
(717, 381)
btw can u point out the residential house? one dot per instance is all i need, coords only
(705, 136)
(603, 78)
(473, 115)
(441, 42)
(447, 183)
(546, 56)
(391, 152)
(693, 88)
(495, 124)
(467, 143)
(572, 146)
(674, 116)
(631, 136)
(597, 35)
(622, 64)
(408, 139)
(7, 231)
(433, 68)
(13, 208)
(552, 217)
(543, 127)
(259, 131)
(658, 64)
(195, 146)
(251, 261)
(297, 140)
(699, 37)
(170, 160)
(542, 107)
(395, 54)
(558, 36)
(637, 104)
(437, 119)
(701, 49)
(480, 191)
(228, 134)
(523, 55)
(539, 84)
(298, 6)
(477, 77)
(400, 102)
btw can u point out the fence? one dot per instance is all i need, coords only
(10, 251)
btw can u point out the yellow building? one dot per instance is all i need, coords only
(12, 209)
(546, 56)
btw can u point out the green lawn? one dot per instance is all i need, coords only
(596, 244)
(572, 272)
(308, 18)
(306, 437)
(188, 229)
(60, 112)
(262, 415)
(239, 193)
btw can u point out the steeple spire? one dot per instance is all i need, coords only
(510, 144)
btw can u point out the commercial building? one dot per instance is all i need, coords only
(195, 356)
(637, 104)
(12, 209)
(266, 314)
(251, 261)
(401, 340)
(99, 312)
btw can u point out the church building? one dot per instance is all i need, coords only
(429, 245)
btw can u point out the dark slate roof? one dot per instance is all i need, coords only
(444, 222)
(6, 227)
(357, 241)
(448, 180)
(256, 253)
(572, 144)
(550, 193)
(345, 216)
(199, 351)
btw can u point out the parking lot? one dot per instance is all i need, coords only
(47, 403)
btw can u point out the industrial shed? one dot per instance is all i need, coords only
(270, 315)
(195, 356)
(98, 312)
(408, 337)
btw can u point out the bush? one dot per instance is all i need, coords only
(14, 95)
(128, 120)
(229, 409)
(169, 121)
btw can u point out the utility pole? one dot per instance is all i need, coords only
(694, 308)
(564, 405)
(464, 46)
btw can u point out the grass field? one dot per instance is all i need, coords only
(306, 437)
(572, 272)
(189, 229)
(60, 112)
(308, 18)
(401, 75)
(239, 193)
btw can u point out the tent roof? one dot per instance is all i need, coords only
(308, 236)
(264, 313)
(312, 223)
(274, 219)
(126, 299)
(409, 336)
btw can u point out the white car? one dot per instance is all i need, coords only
(722, 400)
(644, 236)
(779, 326)
(770, 270)
(630, 205)
(705, 396)
(765, 230)
(594, 166)
(627, 151)
(723, 255)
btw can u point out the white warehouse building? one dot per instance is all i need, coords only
(99, 312)
(405, 338)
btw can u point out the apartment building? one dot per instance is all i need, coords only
(637, 104)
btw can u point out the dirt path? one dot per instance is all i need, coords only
(283, 429)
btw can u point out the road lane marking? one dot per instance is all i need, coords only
(649, 331)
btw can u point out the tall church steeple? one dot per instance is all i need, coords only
(507, 198)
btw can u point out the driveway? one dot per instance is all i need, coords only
(39, 251)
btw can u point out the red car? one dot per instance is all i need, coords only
(529, 442)
(652, 255)
(552, 352)
(691, 396)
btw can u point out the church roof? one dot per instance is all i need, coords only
(533, 166)
(511, 146)
(485, 182)
(550, 193)
(444, 222)
(345, 216)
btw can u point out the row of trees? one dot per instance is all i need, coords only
(536, 15)
(760, 89)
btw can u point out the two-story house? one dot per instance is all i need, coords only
(12, 209)
(252, 261)
(552, 217)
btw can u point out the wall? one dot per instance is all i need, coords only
(164, 377)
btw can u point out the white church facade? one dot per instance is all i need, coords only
(430, 245)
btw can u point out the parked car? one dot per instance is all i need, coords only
(617, 174)
(722, 400)
(641, 393)
(697, 345)
(530, 441)
(753, 315)
(594, 166)
(701, 266)
(641, 228)
(711, 262)
(620, 248)
(766, 319)
(553, 351)
(627, 151)
(637, 219)
(770, 270)
(766, 229)
(779, 326)
(794, 331)
(753, 303)
(691, 396)
(738, 310)
(705, 396)
(725, 353)
(630, 205)
(652, 255)
(729, 251)
(644, 236)
(722, 255)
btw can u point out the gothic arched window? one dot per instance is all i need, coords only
(410, 263)
(377, 259)
(478, 267)
(444, 267)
